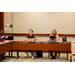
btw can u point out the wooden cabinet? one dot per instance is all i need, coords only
(73, 51)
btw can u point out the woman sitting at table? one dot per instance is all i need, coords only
(54, 35)
(30, 37)
(6, 38)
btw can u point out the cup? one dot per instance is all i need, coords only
(1, 39)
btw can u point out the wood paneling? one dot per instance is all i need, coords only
(5, 48)
(0, 21)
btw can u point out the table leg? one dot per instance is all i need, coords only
(67, 55)
(51, 54)
(25, 53)
(17, 54)
(48, 54)
(11, 53)
(58, 54)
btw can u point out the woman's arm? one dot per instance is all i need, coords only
(32, 39)
(57, 38)
(26, 39)
(3, 36)
(29, 39)
(50, 35)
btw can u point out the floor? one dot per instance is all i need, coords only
(63, 58)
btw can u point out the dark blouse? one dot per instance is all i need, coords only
(28, 36)
(53, 37)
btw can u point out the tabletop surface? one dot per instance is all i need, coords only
(5, 42)
(8, 41)
(41, 41)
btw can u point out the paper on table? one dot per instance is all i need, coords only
(73, 44)
(0, 42)
(7, 41)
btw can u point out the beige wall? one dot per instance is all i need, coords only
(44, 22)
(8, 20)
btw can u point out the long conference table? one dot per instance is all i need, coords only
(8, 46)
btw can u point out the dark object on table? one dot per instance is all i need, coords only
(64, 38)
(9, 38)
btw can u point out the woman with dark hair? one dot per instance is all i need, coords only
(6, 38)
(30, 37)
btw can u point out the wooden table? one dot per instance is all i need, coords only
(42, 45)
(5, 47)
(34, 45)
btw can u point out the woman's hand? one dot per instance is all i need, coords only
(6, 37)
(29, 39)
(3, 36)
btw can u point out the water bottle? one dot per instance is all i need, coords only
(1, 39)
